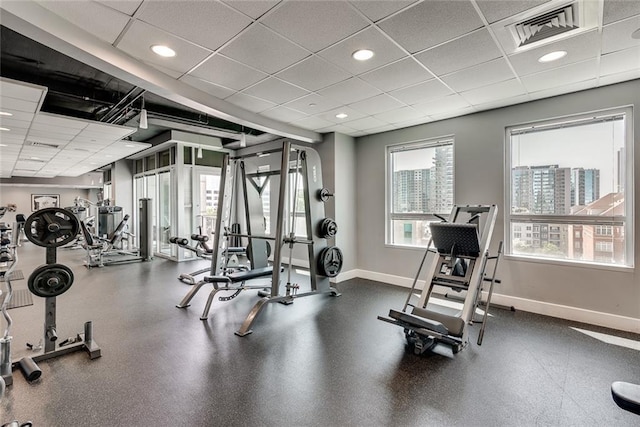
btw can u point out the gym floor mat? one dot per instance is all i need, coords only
(20, 298)
(16, 275)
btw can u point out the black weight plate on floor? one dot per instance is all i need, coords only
(51, 227)
(50, 280)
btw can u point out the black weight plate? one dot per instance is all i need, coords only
(51, 227)
(324, 194)
(50, 280)
(330, 261)
(328, 228)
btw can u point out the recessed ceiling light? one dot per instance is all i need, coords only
(5, 129)
(342, 116)
(362, 54)
(4, 113)
(553, 56)
(312, 104)
(3, 145)
(636, 34)
(162, 50)
(35, 158)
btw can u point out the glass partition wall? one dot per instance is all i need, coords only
(183, 182)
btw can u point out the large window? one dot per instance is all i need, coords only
(419, 184)
(570, 181)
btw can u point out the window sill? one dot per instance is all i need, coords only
(570, 263)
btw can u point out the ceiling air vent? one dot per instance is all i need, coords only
(42, 144)
(550, 22)
(547, 25)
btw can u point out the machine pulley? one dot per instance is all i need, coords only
(330, 261)
(51, 227)
(50, 280)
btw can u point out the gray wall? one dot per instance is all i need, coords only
(21, 196)
(479, 179)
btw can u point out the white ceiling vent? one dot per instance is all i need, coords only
(550, 22)
(42, 144)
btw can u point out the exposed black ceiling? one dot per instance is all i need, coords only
(78, 90)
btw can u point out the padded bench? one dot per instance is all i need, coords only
(241, 276)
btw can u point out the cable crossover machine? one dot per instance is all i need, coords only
(461, 248)
(297, 163)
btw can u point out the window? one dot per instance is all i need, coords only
(419, 185)
(574, 177)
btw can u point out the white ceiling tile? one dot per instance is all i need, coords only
(618, 36)
(139, 38)
(283, 114)
(250, 103)
(400, 115)
(315, 24)
(480, 75)
(617, 10)
(620, 61)
(59, 121)
(47, 133)
(95, 18)
(620, 77)
(558, 77)
(313, 73)
(312, 123)
(562, 89)
(399, 74)
(377, 9)
(422, 92)
(11, 123)
(502, 103)
(19, 90)
(108, 131)
(184, 18)
(384, 51)
(338, 128)
(125, 6)
(366, 123)
(495, 10)
(472, 49)
(506, 89)
(453, 113)
(253, 8)
(208, 87)
(350, 112)
(578, 48)
(349, 91)
(173, 73)
(377, 104)
(263, 49)
(442, 105)
(228, 73)
(313, 104)
(276, 91)
(10, 104)
(19, 115)
(430, 23)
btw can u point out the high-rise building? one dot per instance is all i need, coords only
(585, 186)
(541, 189)
(441, 181)
(411, 190)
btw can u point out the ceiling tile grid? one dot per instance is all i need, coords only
(292, 61)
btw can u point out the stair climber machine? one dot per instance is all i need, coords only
(460, 258)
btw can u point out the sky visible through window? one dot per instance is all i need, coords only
(592, 146)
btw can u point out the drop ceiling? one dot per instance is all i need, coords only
(285, 67)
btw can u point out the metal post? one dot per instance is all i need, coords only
(223, 205)
(282, 195)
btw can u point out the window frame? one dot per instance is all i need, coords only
(627, 222)
(390, 216)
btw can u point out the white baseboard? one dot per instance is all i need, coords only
(591, 317)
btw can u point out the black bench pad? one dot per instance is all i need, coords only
(241, 276)
(419, 322)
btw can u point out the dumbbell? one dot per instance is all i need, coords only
(180, 241)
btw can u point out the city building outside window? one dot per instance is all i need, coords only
(571, 179)
(419, 184)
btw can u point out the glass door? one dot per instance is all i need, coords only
(164, 213)
(206, 189)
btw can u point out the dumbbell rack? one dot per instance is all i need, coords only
(53, 227)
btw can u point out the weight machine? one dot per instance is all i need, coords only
(324, 261)
(107, 251)
(49, 228)
(460, 263)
